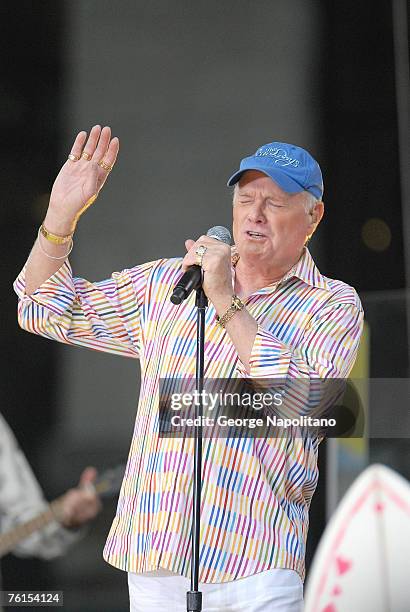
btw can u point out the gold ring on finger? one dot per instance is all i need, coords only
(86, 155)
(105, 166)
(73, 157)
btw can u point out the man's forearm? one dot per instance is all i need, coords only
(39, 267)
(241, 328)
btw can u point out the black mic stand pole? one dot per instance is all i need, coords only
(194, 596)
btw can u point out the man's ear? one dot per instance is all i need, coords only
(317, 213)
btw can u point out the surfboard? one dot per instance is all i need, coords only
(362, 563)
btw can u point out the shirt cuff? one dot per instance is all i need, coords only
(269, 357)
(56, 293)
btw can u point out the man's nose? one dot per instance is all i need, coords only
(256, 213)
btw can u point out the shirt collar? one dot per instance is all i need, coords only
(305, 269)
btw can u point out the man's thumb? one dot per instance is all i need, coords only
(88, 476)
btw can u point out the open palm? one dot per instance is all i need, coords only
(79, 182)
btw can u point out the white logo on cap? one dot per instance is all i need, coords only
(282, 157)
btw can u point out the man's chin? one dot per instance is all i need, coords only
(256, 244)
(257, 252)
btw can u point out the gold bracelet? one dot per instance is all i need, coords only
(235, 307)
(53, 237)
(53, 256)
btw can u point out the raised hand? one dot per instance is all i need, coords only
(83, 175)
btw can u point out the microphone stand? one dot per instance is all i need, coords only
(190, 281)
(194, 596)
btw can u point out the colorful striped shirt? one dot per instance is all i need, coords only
(256, 491)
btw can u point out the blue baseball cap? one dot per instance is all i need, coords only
(290, 166)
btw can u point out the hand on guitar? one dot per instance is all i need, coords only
(80, 504)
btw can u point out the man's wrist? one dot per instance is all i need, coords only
(57, 224)
(235, 306)
(222, 303)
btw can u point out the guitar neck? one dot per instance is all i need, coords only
(107, 484)
(10, 539)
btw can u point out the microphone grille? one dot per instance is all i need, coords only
(220, 233)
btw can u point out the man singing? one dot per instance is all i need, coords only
(271, 314)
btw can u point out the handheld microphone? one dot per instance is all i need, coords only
(192, 278)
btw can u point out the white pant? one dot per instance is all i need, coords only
(276, 590)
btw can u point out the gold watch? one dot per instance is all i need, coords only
(235, 307)
(53, 237)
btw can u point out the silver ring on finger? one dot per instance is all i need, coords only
(73, 158)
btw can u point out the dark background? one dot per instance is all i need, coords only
(189, 88)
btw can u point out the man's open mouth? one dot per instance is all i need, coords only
(255, 234)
